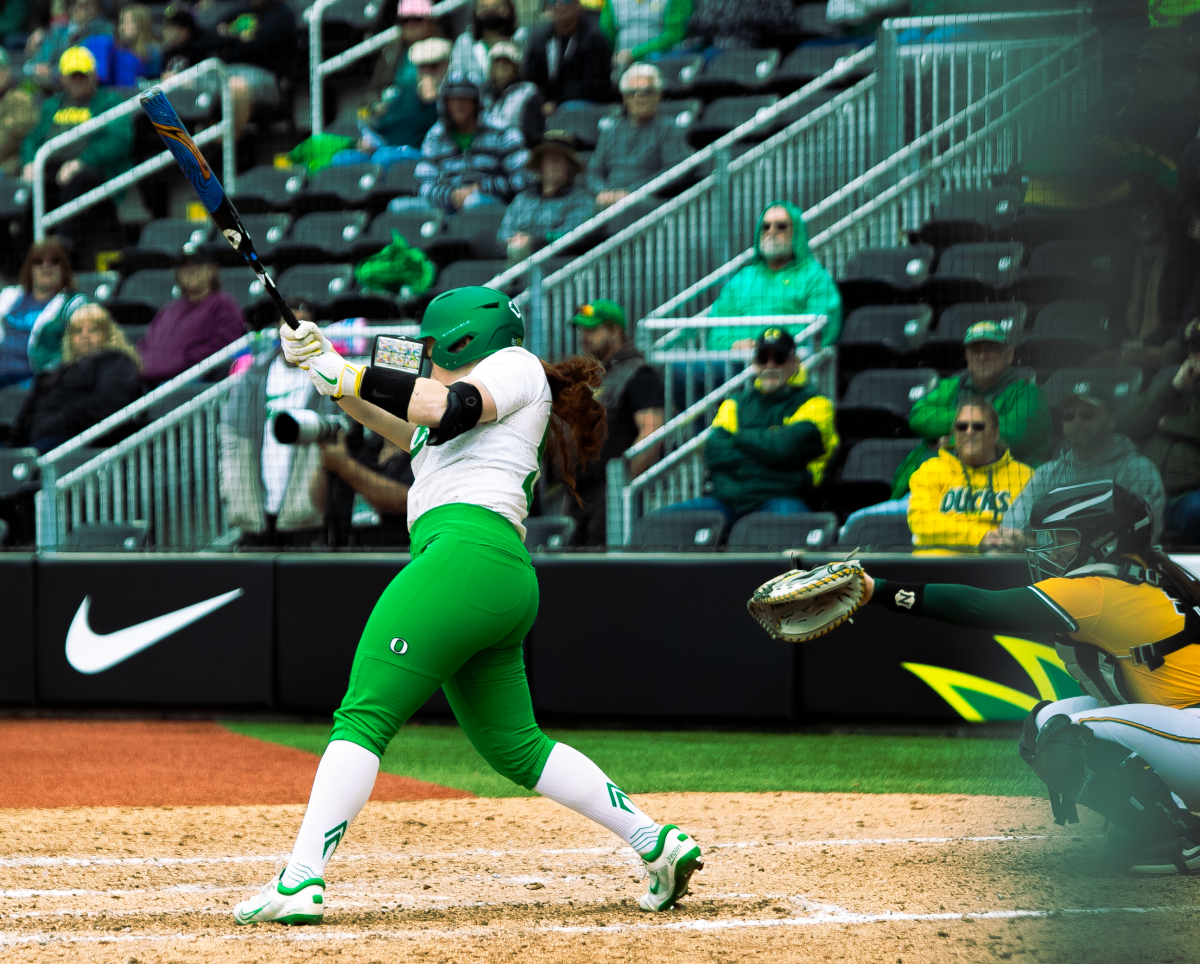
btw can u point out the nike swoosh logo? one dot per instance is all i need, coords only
(328, 380)
(89, 652)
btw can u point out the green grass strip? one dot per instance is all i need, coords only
(649, 762)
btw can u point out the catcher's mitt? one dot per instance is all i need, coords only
(799, 606)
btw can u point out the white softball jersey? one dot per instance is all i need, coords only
(495, 464)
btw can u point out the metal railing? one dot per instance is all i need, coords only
(223, 131)
(682, 240)
(926, 78)
(318, 70)
(680, 474)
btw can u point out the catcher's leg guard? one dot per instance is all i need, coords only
(1105, 777)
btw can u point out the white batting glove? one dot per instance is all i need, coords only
(300, 344)
(332, 375)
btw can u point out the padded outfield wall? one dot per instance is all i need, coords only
(252, 631)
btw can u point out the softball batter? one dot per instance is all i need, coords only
(456, 615)
(1127, 620)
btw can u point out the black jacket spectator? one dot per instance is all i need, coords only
(262, 34)
(75, 397)
(577, 67)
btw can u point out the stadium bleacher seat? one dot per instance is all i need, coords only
(268, 232)
(549, 532)
(685, 112)
(418, 227)
(582, 120)
(12, 397)
(1035, 227)
(768, 531)
(323, 236)
(866, 476)
(322, 284)
(19, 472)
(725, 113)
(678, 73)
(397, 181)
(109, 535)
(813, 21)
(141, 295)
(970, 217)
(879, 532)
(1065, 332)
(360, 15)
(1074, 269)
(134, 333)
(882, 336)
(734, 72)
(242, 284)
(876, 403)
(813, 58)
(16, 197)
(337, 188)
(943, 348)
(880, 276)
(672, 529)
(263, 189)
(161, 242)
(98, 285)
(469, 234)
(973, 272)
(461, 274)
(1118, 385)
(198, 101)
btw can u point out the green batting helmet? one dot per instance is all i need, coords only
(489, 317)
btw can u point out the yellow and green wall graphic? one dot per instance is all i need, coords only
(982, 701)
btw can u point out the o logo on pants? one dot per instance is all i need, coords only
(403, 646)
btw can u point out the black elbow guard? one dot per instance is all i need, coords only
(390, 390)
(900, 597)
(464, 406)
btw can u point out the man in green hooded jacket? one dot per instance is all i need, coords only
(783, 279)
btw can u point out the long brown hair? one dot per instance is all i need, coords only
(574, 408)
(47, 248)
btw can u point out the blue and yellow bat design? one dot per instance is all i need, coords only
(197, 170)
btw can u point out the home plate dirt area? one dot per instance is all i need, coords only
(788, 877)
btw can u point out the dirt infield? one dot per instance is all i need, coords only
(67, 763)
(789, 877)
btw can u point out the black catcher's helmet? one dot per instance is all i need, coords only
(1077, 525)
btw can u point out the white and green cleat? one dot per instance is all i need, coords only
(671, 864)
(302, 904)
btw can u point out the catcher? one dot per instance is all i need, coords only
(1125, 620)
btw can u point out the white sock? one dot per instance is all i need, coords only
(340, 790)
(576, 782)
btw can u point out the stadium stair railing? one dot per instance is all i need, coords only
(222, 131)
(319, 69)
(679, 475)
(683, 239)
(166, 473)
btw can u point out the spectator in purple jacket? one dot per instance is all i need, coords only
(186, 331)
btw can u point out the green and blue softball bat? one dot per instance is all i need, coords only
(197, 170)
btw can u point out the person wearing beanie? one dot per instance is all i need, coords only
(512, 102)
(465, 163)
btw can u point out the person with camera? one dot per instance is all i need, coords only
(1165, 422)
(265, 481)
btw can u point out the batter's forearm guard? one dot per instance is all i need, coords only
(900, 597)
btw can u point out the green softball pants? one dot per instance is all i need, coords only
(454, 618)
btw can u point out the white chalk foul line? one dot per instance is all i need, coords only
(18, 862)
(838, 917)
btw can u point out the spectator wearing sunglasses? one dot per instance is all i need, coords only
(1165, 422)
(961, 495)
(772, 441)
(783, 279)
(1094, 452)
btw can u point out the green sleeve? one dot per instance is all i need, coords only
(825, 299)
(782, 445)
(1140, 420)
(719, 451)
(608, 26)
(40, 133)
(933, 416)
(1003, 611)
(1025, 424)
(675, 22)
(110, 149)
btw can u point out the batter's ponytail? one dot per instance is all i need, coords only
(574, 407)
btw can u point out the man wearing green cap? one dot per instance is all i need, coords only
(632, 396)
(1020, 405)
(18, 114)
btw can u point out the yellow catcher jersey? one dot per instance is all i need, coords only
(1116, 615)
